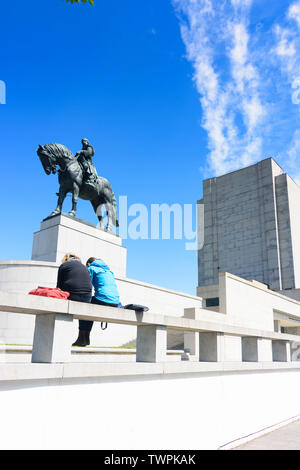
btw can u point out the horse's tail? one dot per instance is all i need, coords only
(115, 212)
(111, 200)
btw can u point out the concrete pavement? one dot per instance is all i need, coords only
(284, 438)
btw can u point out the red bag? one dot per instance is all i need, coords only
(50, 292)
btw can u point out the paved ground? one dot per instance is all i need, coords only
(285, 438)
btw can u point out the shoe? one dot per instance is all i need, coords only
(83, 339)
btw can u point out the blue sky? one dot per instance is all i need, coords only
(168, 92)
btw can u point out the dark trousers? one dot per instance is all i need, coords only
(87, 325)
(81, 298)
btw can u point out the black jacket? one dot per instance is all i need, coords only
(74, 277)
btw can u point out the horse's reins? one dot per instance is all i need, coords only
(66, 166)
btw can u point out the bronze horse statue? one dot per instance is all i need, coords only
(71, 180)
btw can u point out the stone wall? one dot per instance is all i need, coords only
(251, 227)
(151, 406)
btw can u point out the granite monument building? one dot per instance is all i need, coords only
(251, 229)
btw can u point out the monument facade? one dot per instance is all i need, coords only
(251, 228)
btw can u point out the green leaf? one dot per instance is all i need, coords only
(91, 2)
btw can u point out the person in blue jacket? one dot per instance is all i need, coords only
(103, 280)
(105, 291)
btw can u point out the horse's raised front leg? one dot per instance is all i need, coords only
(61, 198)
(75, 195)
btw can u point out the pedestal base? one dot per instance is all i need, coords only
(61, 234)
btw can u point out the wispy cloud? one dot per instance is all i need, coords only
(293, 155)
(217, 43)
(287, 50)
(236, 71)
(294, 12)
(288, 42)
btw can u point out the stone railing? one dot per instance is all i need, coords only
(207, 341)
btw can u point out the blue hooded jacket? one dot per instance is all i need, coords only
(104, 282)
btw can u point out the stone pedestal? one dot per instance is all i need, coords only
(61, 234)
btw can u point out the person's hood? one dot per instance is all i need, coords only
(100, 264)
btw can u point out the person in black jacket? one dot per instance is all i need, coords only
(75, 278)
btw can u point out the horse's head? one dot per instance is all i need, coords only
(47, 160)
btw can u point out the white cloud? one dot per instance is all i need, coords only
(254, 112)
(241, 3)
(246, 77)
(288, 52)
(226, 98)
(248, 80)
(293, 155)
(285, 47)
(240, 49)
(294, 12)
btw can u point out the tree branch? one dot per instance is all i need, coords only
(83, 1)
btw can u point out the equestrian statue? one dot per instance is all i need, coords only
(77, 175)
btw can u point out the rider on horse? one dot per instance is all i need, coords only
(85, 159)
